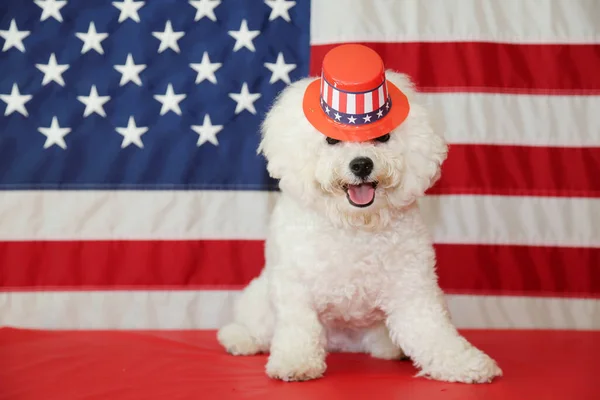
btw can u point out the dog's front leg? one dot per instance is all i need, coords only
(298, 347)
(420, 324)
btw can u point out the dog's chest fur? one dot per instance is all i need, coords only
(346, 276)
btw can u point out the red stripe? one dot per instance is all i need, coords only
(520, 171)
(519, 270)
(360, 103)
(479, 269)
(343, 102)
(478, 66)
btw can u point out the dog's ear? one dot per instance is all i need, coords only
(283, 126)
(423, 149)
(269, 140)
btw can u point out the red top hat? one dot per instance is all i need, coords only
(352, 101)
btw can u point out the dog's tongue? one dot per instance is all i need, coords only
(361, 194)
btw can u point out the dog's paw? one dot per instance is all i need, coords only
(236, 339)
(472, 366)
(294, 366)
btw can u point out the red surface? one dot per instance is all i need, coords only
(191, 265)
(190, 365)
(520, 171)
(489, 67)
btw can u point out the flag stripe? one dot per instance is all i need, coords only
(186, 265)
(525, 120)
(222, 215)
(520, 171)
(509, 21)
(463, 118)
(211, 309)
(489, 67)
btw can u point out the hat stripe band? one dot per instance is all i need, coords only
(354, 118)
(353, 103)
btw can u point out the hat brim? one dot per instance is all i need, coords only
(359, 133)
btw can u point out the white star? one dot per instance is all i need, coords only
(15, 101)
(327, 109)
(51, 8)
(245, 100)
(170, 101)
(244, 37)
(168, 38)
(352, 120)
(13, 37)
(132, 134)
(205, 8)
(367, 118)
(93, 102)
(280, 70)
(379, 113)
(338, 117)
(129, 9)
(206, 69)
(92, 39)
(207, 132)
(280, 8)
(55, 134)
(52, 71)
(130, 71)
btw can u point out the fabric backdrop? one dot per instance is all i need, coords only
(132, 196)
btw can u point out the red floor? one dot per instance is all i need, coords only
(190, 365)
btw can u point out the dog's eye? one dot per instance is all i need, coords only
(332, 140)
(384, 138)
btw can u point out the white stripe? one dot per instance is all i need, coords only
(163, 214)
(335, 99)
(543, 221)
(83, 215)
(163, 310)
(381, 98)
(350, 103)
(368, 102)
(571, 121)
(514, 21)
(325, 91)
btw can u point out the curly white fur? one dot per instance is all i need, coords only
(342, 278)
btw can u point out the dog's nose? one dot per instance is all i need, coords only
(361, 166)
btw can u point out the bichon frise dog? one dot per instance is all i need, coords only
(350, 265)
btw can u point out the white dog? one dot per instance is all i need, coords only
(350, 265)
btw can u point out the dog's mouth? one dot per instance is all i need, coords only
(361, 195)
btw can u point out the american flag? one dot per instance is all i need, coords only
(132, 196)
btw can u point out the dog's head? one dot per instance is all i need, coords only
(352, 183)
